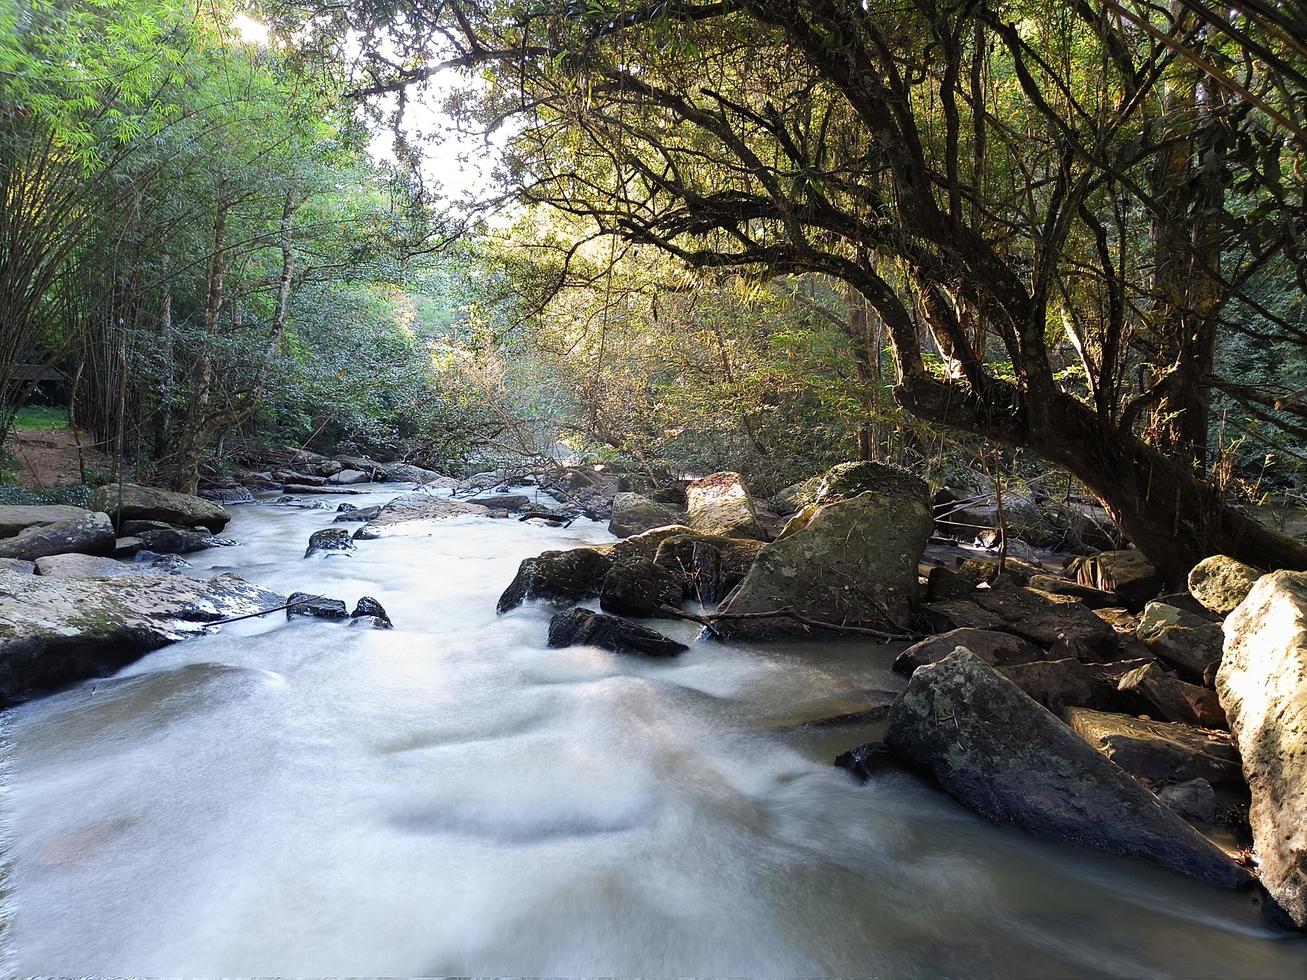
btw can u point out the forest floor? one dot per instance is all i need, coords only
(51, 457)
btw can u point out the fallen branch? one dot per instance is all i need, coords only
(562, 520)
(237, 619)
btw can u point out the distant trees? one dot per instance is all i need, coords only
(1069, 203)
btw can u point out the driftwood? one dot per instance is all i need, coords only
(559, 520)
(264, 612)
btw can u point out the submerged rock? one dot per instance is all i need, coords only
(305, 604)
(720, 504)
(358, 515)
(852, 561)
(868, 759)
(329, 541)
(999, 753)
(369, 608)
(91, 533)
(1220, 583)
(55, 631)
(634, 513)
(131, 501)
(1262, 683)
(575, 627)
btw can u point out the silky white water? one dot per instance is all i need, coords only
(452, 797)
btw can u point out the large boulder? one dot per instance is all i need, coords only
(576, 627)
(418, 506)
(1159, 752)
(83, 566)
(999, 753)
(1183, 640)
(720, 504)
(558, 577)
(91, 533)
(408, 473)
(849, 561)
(171, 541)
(1126, 572)
(55, 631)
(1068, 683)
(1220, 583)
(1262, 683)
(640, 588)
(15, 518)
(1163, 695)
(130, 501)
(991, 646)
(709, 564)
(634, 513)
(346, 478)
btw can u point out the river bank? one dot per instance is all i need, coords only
(451, 796)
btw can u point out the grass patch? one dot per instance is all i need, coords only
(41, 417)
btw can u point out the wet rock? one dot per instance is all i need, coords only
(419, 506)
(557, 576)
(55, 631)
(1165, 696)
(1068, 683)
(16, 518)
(869, 759)
(989, 645)
(720, 504)
(1002, 755)
(634, 513)
(358, 515)
(81, 566)
(574, 627)
(1093, 598)
(856, 707)
(640, 588)
(132, 502)
(852, 561)
(709, 564)
(305, 604)
(163, 564)
(1193, 800)
(1157, 751)
(91, 533)
(1127, 573)
(174, 542)
(1262, 683)
(368, 608)
(1220, 583)
(346, 478)
(329, 541)
(227, 495)
(17, 565)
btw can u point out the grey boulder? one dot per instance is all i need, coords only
(91, 533)
(130, 502)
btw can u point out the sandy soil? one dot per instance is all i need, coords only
(50, 457)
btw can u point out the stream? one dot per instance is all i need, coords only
(452, 797)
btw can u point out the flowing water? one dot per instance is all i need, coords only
(452, 797)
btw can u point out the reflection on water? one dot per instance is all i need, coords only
(452, 797)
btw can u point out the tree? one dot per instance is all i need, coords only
(1090, 186)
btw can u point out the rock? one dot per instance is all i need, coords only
(91, 533)
(358, 515)
(720, 565)
(133, 502)
(289, 478)
(127, 546)
(1068, 683)
(408, 473)
(852, 561)
(304, 604)
(18, 566)
(634, 513)
(855, 707)
(136, 527)
(1187, 603)
(868, 759)
(164, 564)
(372, 469)
(371, 622)
(1182, 640)
(1165, 696)
(329, 541)
(557, 576)
(794, 497)
(1127, 573)
(370, 609)
(1220, 583)
(513, 502)
(347, 478)
(417, 507)
(1015, 571)
(1060, 623)
(1093, 598)
(577, 626)
(943, 584)
(227, 495)
(1262, 684)
(324, 490)
(1157, 751)
(55, 631)
(1159, 615)
(1002, 755)
(640, 588)
(990, 646)
(174, 542)
(845, 480)
(720, 504)
(15, 518)
(81, 566)
(954, 614)
(1193, 800)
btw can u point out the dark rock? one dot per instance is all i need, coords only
(1159, 752)
(90, 534)
(869, 759)
(512, 502)
(709, 564)
(1165, 696)
(990, 646)
(132, 502)
(163, 564)
(846, 480)
(1127, 573)
(640, 588)
(128, 546)
(557, 576)
(1220, 583)
(329, 541)
(370, 609)
(943, 584)
(371, 622)
(227, 495)
(998, 752)
(1059, 623)
(1015, 571)
(358, 515)
(174, 542)
(289, 478)
(345, 508)
(1068, 683)
(574, 627)
(315, 606)
(1194, 800)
